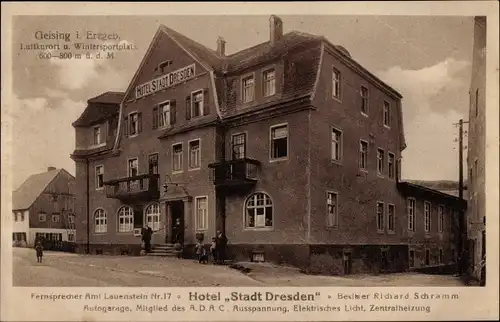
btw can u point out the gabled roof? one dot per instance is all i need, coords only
(99, 108)
(32, 188)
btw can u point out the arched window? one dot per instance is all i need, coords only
(125, 219)
(100, 221)
(259, 211)
(153, 216)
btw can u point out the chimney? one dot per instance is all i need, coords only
(221, 46)
(275, 28)
(51, 168)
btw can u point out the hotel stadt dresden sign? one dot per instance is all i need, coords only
(165, 81)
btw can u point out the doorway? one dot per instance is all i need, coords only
(347, 263)
(177, 215)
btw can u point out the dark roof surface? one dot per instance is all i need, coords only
(99, 108)
(26, 194)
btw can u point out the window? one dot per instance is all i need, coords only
(387, 114)
(380, 161)
(99, 177)
(477, 102)
(55, 218)
(164, 114)
(42, 217)
(238, 143)
(279, 142)
(16, 216)
(197, 107)
(153, 216)
(133, 167)
(427, 257)
(100, 221)
(441, 260)
(440, 218)
(333, 209)
(364, 100)
(134, 125)
(97, 135)
(201, 213)
(194, 154)
(269, 82)
(248, 84)
(71, 237)
(427, 217)
(363, 155)
(71, 219)
(336, 79)
(391, 213)
(259, 211)
(153, 163)
(125, 219)
(380, 216)
(177, 155)
(398, 169)
(411, 258)
(391, 165)
(411, 214)
(21, 214)
(336, 145)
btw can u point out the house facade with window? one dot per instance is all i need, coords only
(43, 207)
(290, 147)
(433, 226)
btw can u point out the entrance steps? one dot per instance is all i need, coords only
(165, 250)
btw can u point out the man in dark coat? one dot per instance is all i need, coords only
(220, 245)
(147, 232)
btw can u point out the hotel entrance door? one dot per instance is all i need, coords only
(177, 222)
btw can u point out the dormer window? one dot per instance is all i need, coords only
(96, 135)
(162, 66)
(197, 106)
(248, 89)
(269, 78)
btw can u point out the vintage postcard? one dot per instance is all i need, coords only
(249, 161)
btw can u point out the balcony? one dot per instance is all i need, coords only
(137, 188)
(234, 173)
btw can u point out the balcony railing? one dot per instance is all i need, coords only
(146, 186)
(234, 172)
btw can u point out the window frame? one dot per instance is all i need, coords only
(411, 259)
(391, 174)
(337, 81)
(161, 115)
(56, 215)
(339, 142)
(199, 228)
(157, 162)
(193, 103)
(245, 135)
(265, 206)
(381, 227)
(174, 170)
(147, 214)
(440, 213)
(266, 81)
(388, 105)
(129, 125)
(129, 174)
(389, 230)
(129, 216)
(427, 223)
(380, 162)
(365, 155)
(42, 215)
(198, 167)
(413, 214)
(243, 79)
(103, 218)
(101, 141)
(271, 142)
(97, 187)
(365, 100)
(329, 223)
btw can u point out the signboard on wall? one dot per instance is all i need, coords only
(165, 81)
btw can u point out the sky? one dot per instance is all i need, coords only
(427, 59)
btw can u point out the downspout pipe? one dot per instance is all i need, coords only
(88, 207)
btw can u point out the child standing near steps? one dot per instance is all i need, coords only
(39, 251)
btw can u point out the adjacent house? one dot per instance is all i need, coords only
(43, 206)
(290, 147)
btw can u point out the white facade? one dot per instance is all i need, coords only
(21, 225)
(65, 234)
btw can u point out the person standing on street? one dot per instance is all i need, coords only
(147, 233)
(221, 244)
(39, 252)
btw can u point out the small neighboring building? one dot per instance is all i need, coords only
(43, 206)
(433, 221)
(476, 219)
